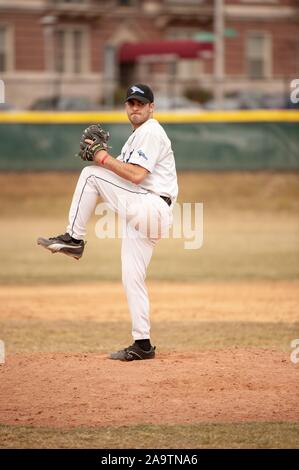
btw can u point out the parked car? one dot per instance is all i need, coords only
(291, 105)
(227, 104)
(166, 102)
(273, 101)
(64, 103)
(8, 107)
(253, 100)
(237, 100)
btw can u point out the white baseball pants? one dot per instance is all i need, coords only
(145, 219)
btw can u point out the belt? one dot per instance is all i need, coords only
(167, 199)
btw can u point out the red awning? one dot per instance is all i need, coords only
(188, 49)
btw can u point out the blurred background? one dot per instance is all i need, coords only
(199, 56)
(82, 54)
(216, 67)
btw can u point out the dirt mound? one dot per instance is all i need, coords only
(66, 390)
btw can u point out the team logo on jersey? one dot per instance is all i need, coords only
(135, 89)
(142, 154)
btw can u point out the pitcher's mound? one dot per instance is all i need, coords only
(229, 385)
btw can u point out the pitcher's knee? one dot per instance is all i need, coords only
(87, 171)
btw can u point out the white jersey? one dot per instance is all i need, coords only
(150, 148)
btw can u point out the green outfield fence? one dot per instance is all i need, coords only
(231, 140)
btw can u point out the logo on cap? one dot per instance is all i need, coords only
(135, 89)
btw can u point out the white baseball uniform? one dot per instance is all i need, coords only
(145, 215)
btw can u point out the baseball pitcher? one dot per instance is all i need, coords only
(141, 186)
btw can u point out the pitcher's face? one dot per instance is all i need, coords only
(138, 112)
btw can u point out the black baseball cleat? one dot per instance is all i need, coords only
(63, 244)
(133, 353)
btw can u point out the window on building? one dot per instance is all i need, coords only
(259, 1)
(77, 51)
(3, 48)
(258, 55)
(68, 1)
(60, 50)
(126, 3)
(181, 33)
(187, 2)
(70, 43)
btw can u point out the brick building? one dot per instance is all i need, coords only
(90, 47)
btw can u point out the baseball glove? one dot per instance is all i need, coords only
(99, 137)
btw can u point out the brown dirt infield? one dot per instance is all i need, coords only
(253, 301)
(232, 384)
(65, 390)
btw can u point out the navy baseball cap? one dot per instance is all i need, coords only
(141, 93)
